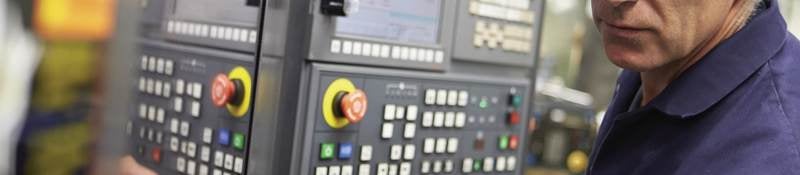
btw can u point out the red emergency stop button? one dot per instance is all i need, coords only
(513, 142)
(222, 89)
(354, 105)
(513, 118)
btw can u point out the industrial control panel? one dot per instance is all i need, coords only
(372, 121)
(192, 110)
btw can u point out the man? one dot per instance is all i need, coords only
(709, 87)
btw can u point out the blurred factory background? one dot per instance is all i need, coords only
(51, 85)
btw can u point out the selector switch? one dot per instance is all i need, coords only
(343, 104)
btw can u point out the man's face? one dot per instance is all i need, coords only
(643, 35)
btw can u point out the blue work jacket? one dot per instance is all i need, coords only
(736, 111)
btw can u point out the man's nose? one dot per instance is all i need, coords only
(617, 3)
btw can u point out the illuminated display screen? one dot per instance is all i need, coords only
(407, 21)
(217, 11)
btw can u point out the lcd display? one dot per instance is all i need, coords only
(217, 11)
(407, 21)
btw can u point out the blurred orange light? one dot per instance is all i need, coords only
(74, 19)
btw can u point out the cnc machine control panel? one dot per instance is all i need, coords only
(366, 121)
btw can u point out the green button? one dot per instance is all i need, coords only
(238, 141)
(516, 100)
(477, 166)
(483, 103)
(503, 142)
(326, 151)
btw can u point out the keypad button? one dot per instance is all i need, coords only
(461, 119)
(202, 170)
(208, 133)
(347, 170)
(441, 145)
(169, 67)
(452, 145)
(219, 158)
(184, 128)
(228, 164)
(383, 169)
(179, 86)
(321, 170)
(502, 142)
(400, 112)
(345, 151)
(190, 167)
(466, 166)
(174, 143)
(238, 165)
(327, 151)
(408, 152)
(195, 108)
(513, 142)
(151, 113)
(463, 98)
(448, 166)
(366, 153)
(425, 167)
(438, 119)
(334, 170)
(437, 166)
(428, 145)
(411, 112)
(511, 163)
(389, 112)
(180, 164)
(238, 141)
(142, 84)
(205, 153)
(143, 63)
(191, 149)
(158, 88)
(501, 164)
(449, 119)
(409, 130)
(177, 104)
(441, 97)
(452, 98)
(142, 111)
(198, 91)
(395, 152)
(174, 125)
(430, 96)
(405, 168)
(223, 136)
(160, 66)
(387, 130)
(150, 84)
(167, 90)
(427, 119)
(488, 164)
(363, 169)
(217, 171)
(393, 169)
(160, 115)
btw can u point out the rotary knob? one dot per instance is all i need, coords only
(352, 106)
(339, 7)
(226, 91)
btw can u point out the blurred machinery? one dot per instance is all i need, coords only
(333, 87)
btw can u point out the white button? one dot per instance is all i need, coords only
(461, 118)
(334, 170)
(425, 167)
(238, 165)
(198, 90)
(427, 119)
(214, 30)
(428, 145)
(395, 52)
(411, 112)
(467, 165)
(174, 124)
(389, 111)
(221, 32)
(191, 149)
(463, 98)
(205, 153)
(228, 33)
(336, 46)
(412, 54)
(217, 171)
(430, 96)
(243, 36)
(152, 66)
(441, 145)
(203, 169)
(403, 53)
(363, 169)
(449, 119)
(151, 113)
(438, 119)
(441, 97)
(393, 169)
(439, 57)
(160, 66)
(367, 49)
(180, 164)
(405, 168)
(357, 48)
(142, 111)
(149, 134)
(143, 62)
(150, 85)
(366, 153)
(348, 47)
(376, 50)
(321, 170)
(158, 88)
(218, 158)
(511, 163)
(383, 169)
(452, 145)
(167, 90)
(185, 128)
(386, 131)
(501, 164)
(488, 164)
(177, 104)
(396, 152)
(195, 108)
(160, 115)
(179, 85)
(347, 170)
(408, 152)
(400, 112)
(409, 130)
(208, 133)
(452, 97)
(174, 143)
(385, 51)
(142, 84)
(437, 166)
(448, 166)
(253, 36)
(228, 164)
(190, 167)
(189, 88)
(421, 55)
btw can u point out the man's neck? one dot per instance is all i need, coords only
(655, 81)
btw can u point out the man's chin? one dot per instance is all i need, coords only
(630, 61)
